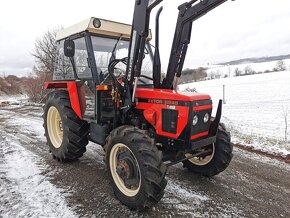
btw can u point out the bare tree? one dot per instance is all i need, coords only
(198, 74)
(280, 66)
(237, 72)
(248, 70)
(44, 53)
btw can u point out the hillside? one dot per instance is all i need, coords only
(217, 71)
(255, 110)
(256, 60)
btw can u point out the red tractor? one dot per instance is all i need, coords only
(109, 90)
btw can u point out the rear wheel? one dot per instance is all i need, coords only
(66, 134)
(135, 168)
(218, 158)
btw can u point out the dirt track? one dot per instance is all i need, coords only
(252, 186)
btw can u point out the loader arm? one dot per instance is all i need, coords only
(140, 31)
(139, 34)
(188, 12)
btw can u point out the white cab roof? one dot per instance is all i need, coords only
(108, 28)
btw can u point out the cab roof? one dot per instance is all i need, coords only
(107, 28)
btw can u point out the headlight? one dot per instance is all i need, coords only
(195, 120)
(206, 118)
(97, 23)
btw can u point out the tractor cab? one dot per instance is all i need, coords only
(97, 42)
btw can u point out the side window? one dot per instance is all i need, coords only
(81, 59)
(63, 68)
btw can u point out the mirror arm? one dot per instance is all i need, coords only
(74, 67)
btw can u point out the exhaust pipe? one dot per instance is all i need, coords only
(157, 62)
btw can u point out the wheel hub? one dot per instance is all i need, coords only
(127, 169)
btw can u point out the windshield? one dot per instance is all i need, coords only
(103, 51)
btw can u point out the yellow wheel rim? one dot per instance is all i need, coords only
(54, 127)
(201, 161)
(114, 163)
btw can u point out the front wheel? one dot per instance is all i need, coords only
(219, 156)
(135, 168)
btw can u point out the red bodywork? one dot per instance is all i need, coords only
(159, 99)
(156, 100)
(74, 94)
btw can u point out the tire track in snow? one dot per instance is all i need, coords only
(24, 191)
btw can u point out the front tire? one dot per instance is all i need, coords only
(220, 156)
(65, 132)
(135, 168)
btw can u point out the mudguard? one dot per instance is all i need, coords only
(74, 95)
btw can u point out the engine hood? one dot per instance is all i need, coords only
(167, 94)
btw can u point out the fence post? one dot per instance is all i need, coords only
(224, 94)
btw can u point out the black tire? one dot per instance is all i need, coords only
(219, 160)
(148, 158)
(75, 131)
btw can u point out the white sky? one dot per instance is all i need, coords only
(238, 29)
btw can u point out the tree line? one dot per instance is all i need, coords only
(44, 54)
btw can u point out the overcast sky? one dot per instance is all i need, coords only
(236, 29)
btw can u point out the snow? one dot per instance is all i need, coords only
(258, 67)
(36, 195)
(25, 187)
(30, 125)
(255, 108)
(183, 199)
(18, 99)
(187, 195)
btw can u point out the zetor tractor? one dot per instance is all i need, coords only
(108, 89)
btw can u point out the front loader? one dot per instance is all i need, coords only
(107, 89)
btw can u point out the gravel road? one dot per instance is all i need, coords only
(33, 184)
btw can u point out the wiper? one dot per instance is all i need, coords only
(113, 57)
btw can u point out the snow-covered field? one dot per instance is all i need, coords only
(256, 108)
(257, 67)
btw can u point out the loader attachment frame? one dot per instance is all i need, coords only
(188, 12)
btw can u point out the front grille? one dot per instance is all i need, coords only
(169, 120)
(200, 127)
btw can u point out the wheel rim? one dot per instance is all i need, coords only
(125, 170)
(201, 161)
(54, 127)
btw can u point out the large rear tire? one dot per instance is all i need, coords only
(135, 168)
(220, 156)
(65, 132)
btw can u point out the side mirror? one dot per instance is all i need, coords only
(69, 48)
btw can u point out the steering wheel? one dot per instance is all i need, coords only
(119, 74)
(146, 77)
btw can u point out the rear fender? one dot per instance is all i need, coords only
(76, 94)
